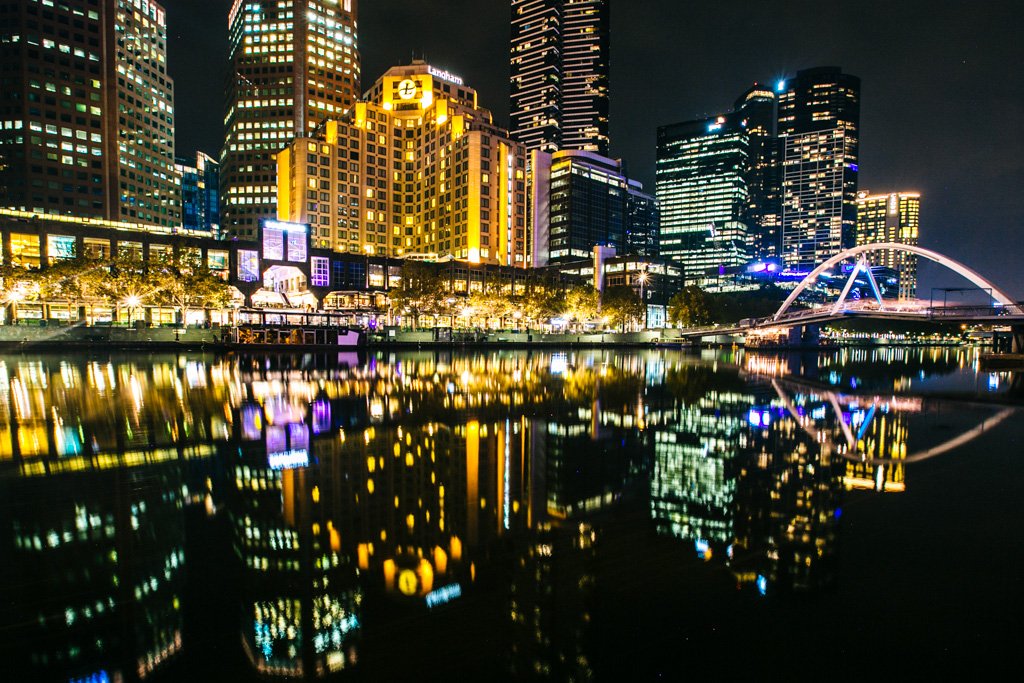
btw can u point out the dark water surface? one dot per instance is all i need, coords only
(573, 516)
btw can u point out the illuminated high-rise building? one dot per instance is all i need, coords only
(893, 218)
(763, 189)
(718, 183)
(200, 193)
(702, 188)
(582, 200)
(418, 168)
(87, 111)
(560, 73)
(819, 142)
(293, 66)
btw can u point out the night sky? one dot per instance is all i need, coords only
(942, 92)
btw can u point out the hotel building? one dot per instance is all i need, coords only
(418, 169)
(87, 111)
(293, 66)
(893, 218)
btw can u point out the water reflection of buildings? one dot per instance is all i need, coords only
(93, 493)
(755, 476)
(790, 493)
(697, 448)
(407, 479)
(300, 610)
(550, 604)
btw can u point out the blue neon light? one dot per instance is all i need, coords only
(443, 595)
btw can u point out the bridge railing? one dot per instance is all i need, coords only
(896, 309)
(975, 311)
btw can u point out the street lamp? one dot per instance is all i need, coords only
(14, 296)
(368, 250)
(643, 281)
(132, 302)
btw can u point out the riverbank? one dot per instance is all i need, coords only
(22, 338)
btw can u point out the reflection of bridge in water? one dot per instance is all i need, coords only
(850, 443)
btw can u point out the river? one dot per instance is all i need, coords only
(507, 515)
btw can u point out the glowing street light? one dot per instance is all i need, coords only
(643, 281)
(132, 302)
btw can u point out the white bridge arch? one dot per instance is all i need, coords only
(935, 256)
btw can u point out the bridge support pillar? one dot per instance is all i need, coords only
(805, 335)
(1017, 335)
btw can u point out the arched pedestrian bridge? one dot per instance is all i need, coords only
(1003, 310)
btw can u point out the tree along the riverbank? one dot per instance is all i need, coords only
(84, 283)
(529, 303)
(693, 307)
(622, 306)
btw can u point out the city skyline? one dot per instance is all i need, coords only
(917, 91)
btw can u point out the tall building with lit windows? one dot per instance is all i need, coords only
(819, 143)
(87, 111)
(763, 185)
(417, 169)
(702, 188)
(582, 200)
(560, 73)
(893, 218)
(294, 65)
(200, 193)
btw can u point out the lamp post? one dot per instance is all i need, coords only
(132, 303)
(643, 300)
(368, 250)
(14, 297)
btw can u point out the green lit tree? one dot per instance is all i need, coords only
(184, 286)
(490, 303)
(78, 282)
(17, 284)
(690, 307)
(622, 306)
(130, 284)
(423, 291)
(581, 303)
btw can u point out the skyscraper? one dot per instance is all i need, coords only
(200, 193)
(757, 106)
(293, 66)
(819, 134)
(582, 200)
(88, 111)
(894, 218)
(702, 188)
(560, 74)
(457, 187)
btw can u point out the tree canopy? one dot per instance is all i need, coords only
(693, 307)
(622, 306)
